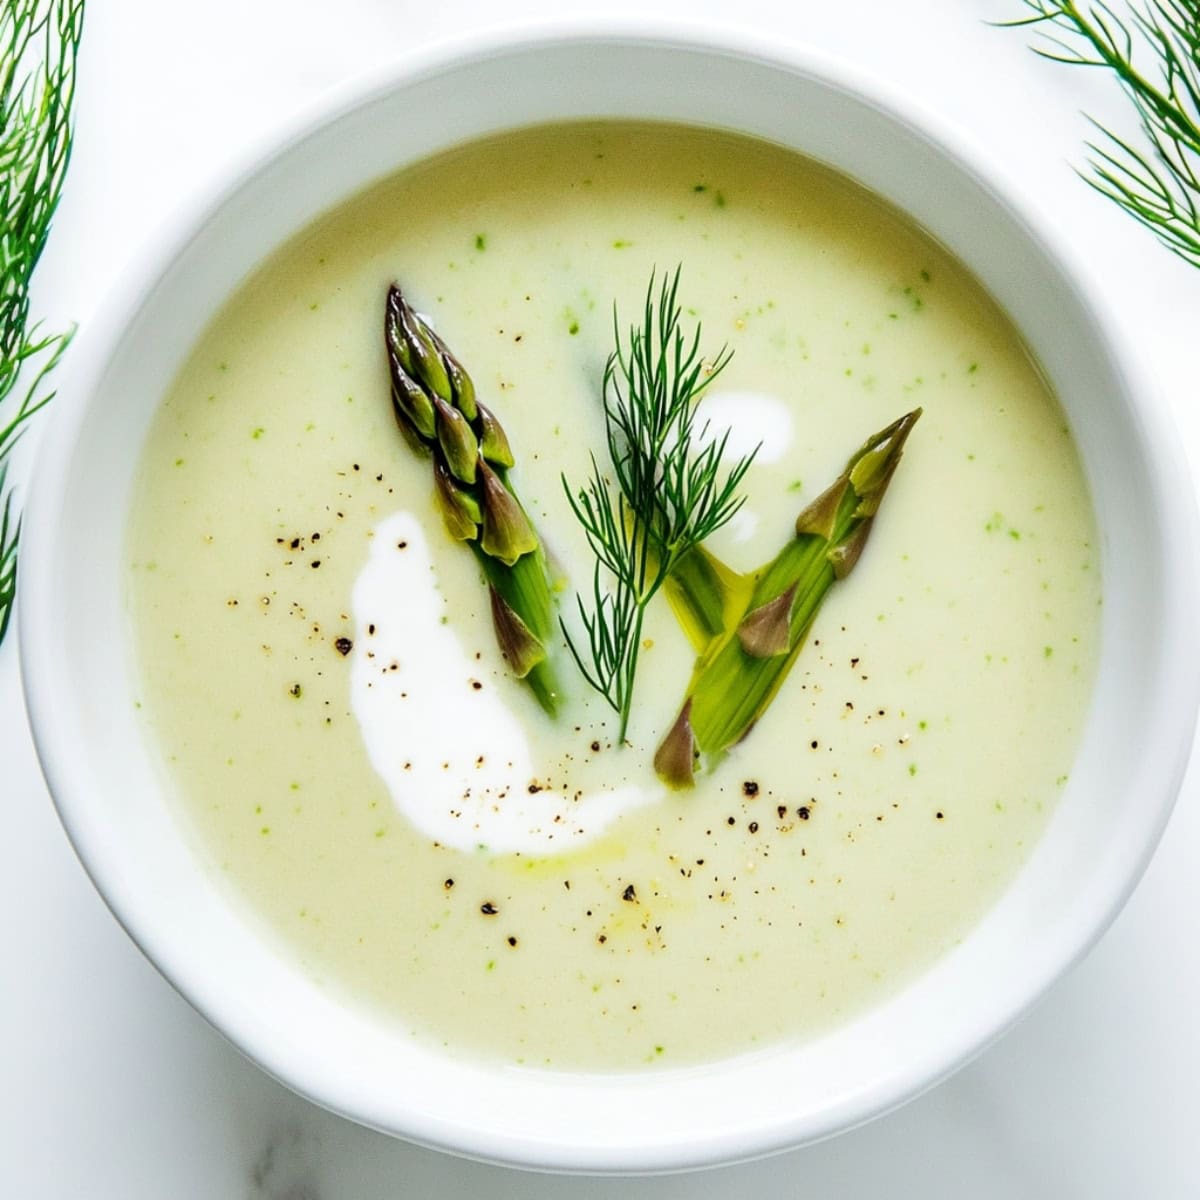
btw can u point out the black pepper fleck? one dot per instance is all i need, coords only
(803, 812)
(448, 884)
(750, 788)
(488, 909)
(343, 646)
(629, 893)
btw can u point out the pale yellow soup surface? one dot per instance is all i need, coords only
(905, 770)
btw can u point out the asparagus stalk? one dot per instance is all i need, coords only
(435, 404)
(740, 672)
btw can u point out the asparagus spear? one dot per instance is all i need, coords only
(741, 671)
(435, 403)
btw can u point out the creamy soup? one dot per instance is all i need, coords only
(318, 666)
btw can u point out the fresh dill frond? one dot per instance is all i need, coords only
(1159, 184)
(10, 530)
(39, 44)
(665, 488)
(48, 350)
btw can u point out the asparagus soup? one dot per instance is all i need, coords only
(335, 582)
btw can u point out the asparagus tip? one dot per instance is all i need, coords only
(507, 533)
(675, 759)
(766, 631)
(520, 649)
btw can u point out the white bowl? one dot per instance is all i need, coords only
(78, 672)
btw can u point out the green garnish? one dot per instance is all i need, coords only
(665, 489)
(38, 48)
(435, 404)
(739, 674)
(665, 495)
(1159, 186)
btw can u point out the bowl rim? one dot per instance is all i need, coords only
(101, 336)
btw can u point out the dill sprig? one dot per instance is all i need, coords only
(39, 43)
(1159, 186)
(659, 497)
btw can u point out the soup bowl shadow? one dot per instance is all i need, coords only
(80, 681)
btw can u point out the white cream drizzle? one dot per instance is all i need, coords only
(751, 418)
(456, 760)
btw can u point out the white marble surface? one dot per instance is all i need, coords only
(111, 1088)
